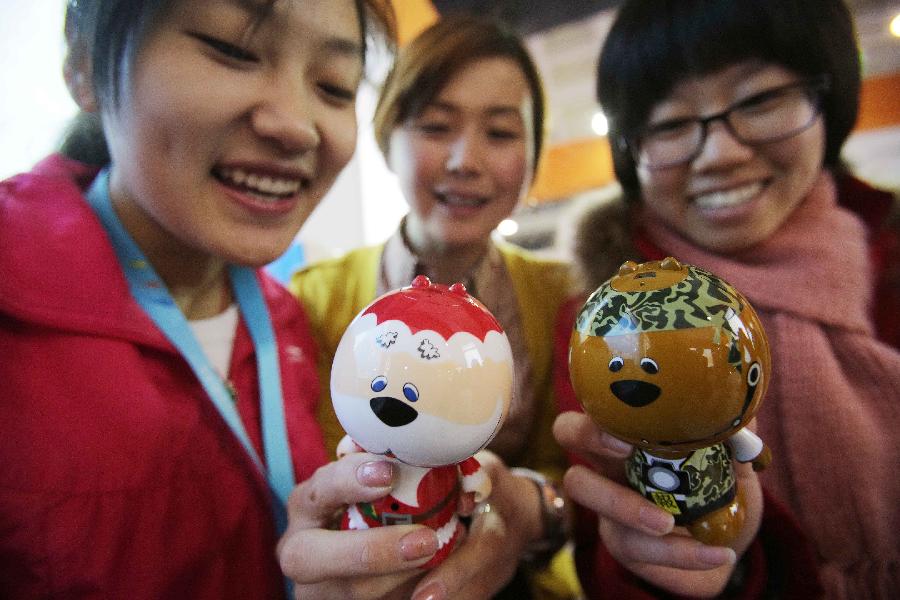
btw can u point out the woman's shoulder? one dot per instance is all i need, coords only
(521, 261)
(345, 283)
(354, 264)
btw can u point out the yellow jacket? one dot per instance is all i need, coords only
(334, 291)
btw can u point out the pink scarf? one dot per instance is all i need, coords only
(832, 412)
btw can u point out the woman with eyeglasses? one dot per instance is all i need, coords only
(727, 121)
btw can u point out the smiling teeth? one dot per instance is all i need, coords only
(261, 184)
(728, 198)
(461, 201)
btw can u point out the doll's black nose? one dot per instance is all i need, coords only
(635, 393)
(393, 412)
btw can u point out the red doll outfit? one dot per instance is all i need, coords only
(119, 477)
(830, 417)
(437, 492)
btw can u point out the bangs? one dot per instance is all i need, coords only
(663, 43)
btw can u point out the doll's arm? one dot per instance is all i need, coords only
(347, 446)
(474, 479)
(747, 447)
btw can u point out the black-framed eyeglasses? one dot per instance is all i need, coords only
(771, 115)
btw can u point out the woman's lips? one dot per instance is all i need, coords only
(261, 191)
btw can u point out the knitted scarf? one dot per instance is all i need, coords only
(832, 412)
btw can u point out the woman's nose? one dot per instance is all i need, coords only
(286, 118)
(462, 156)
(721, 146)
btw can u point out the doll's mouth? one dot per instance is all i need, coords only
(393, 412)
(635, 393)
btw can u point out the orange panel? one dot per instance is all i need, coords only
(879, 104)
(413, 16)
(571, 168)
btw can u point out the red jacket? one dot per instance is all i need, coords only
(119, 478)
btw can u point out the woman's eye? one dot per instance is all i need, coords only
(669, 129)
(503, 134)
(338, 91)
(227, 49)
(379, 383)
(433, 127)
(762, 102)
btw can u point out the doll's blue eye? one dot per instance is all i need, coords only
(379, 383)
(616, 364)
(411, 393)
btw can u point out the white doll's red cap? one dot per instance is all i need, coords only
(432, 306)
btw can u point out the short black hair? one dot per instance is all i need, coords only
(652, 46)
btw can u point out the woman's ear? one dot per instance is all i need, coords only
(77, 74)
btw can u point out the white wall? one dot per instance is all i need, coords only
(34, 103)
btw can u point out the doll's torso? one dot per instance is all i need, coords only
(687, 487)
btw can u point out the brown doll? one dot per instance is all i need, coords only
(674, 361)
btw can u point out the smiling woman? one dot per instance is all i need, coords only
(184, 379)
(460, 121)
(727, 121)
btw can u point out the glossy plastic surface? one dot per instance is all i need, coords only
(423, 373)
(673, 360)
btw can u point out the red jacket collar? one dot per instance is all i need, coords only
(57, 267)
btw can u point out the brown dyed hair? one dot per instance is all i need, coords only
(428, 62)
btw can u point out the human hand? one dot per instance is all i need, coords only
(638, 534)
(486, 559)
(381, 562)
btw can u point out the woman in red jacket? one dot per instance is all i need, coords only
(728, 120)
(158, 389)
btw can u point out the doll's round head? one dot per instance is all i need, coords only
(668, 356)
(423, 373)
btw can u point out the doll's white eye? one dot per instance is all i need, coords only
(616, 364)
(754, 374)
(410, 391)
(379, 383)
(649, 366)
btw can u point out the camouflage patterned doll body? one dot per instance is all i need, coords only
(670, 358)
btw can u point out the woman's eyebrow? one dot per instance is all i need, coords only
(343, 46)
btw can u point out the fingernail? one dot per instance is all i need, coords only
(618, 446)
(377, 473)
(418, 544)
(716, 555)
(432, 591)
(656, 521)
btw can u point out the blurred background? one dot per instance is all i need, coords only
(365, 206)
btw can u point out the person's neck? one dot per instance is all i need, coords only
(200, 289)
(197, 281)
(451, 264)
(445, 263)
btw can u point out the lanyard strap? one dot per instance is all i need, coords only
(153, 296)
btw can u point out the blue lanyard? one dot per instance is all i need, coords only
(153, 296)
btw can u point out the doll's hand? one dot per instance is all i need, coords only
(638, 534)
(762, 461)
(376, 563)
(486, 559)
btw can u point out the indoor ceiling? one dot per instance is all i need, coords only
(565, 38)
(881, 51)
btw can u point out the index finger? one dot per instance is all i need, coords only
(332, 487)
(577, 433)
